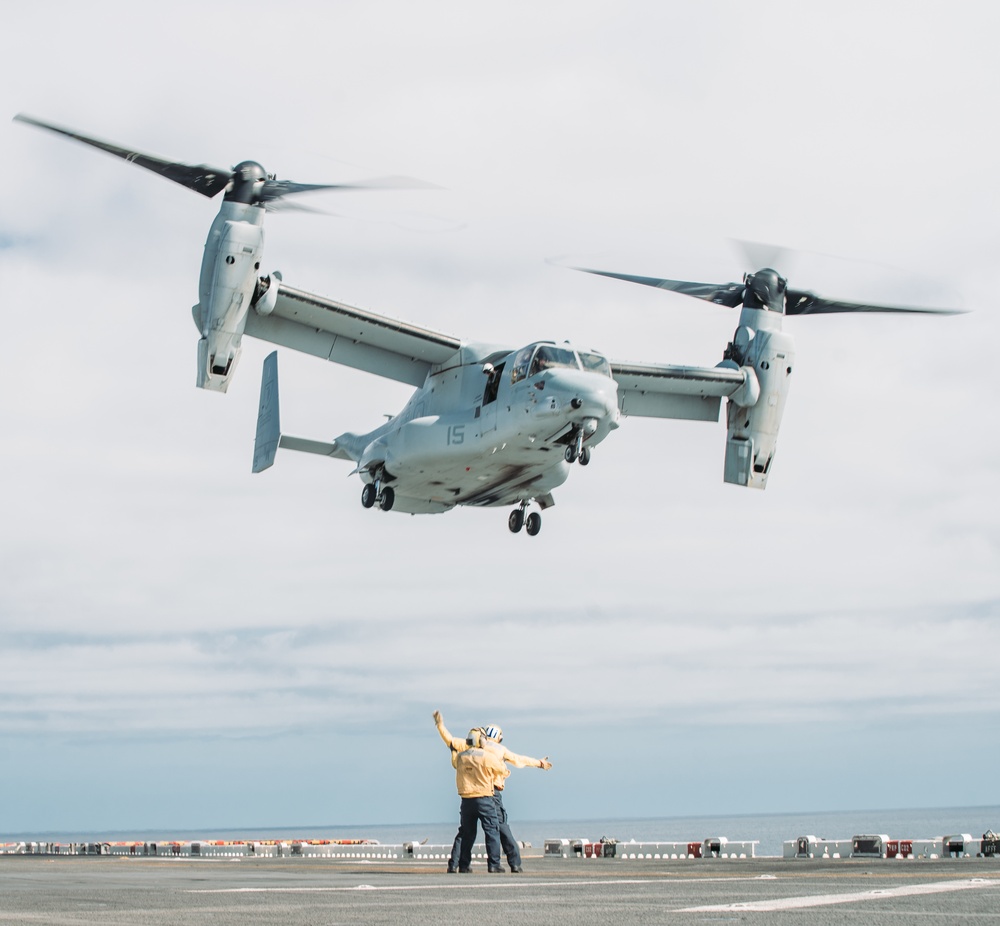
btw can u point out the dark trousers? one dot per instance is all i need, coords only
(507, 840)
(476, 810)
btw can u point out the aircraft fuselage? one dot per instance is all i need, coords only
(491, 434)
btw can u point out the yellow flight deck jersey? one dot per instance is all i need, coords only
(512, 757)
(476, 771)
(457, 745)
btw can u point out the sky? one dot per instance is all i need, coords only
(183, 644)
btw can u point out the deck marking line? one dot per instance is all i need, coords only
(825, 900)
(449, 887)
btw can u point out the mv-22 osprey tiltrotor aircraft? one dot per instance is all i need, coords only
(488, 425)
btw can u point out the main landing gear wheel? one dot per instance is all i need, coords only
(517, 519)
(368, 495)
(570, 453)
(386, 498)
(585, 456)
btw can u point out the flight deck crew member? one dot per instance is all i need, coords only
(507, 841)
(456, 745)
(492, 740)
(476, 770)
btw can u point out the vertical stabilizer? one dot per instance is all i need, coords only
(268, 422)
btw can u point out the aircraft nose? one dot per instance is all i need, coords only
(588, 394)
(605, 403)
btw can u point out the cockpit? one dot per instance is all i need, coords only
(595, 363)
(536, 358)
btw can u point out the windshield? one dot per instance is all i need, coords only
(595, 363)
(519, 369)
(548, 357)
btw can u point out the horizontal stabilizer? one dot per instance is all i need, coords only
(323, 448)
(268, 422)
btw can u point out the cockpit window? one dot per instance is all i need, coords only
(548, 357)
(519, 369)
(595, 363)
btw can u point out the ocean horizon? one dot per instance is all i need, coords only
(771, 830)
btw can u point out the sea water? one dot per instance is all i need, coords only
(770, 829)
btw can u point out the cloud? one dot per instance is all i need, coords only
(649, 668)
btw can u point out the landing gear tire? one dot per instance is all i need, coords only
(585, 456)
(516, 520)
(368, 495)
(533, 523)
(386, 499)
(570, 454)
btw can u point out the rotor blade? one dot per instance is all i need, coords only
(288, 205)
(800, 302)
(396, 182)
(758, 255)
(730, 294)
(201, 178)
(275, 189)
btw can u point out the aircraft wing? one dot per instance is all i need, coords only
(653, 390)
(354, 337)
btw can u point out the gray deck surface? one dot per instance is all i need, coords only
(317, 892)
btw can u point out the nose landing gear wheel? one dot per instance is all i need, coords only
(516, 520)
(533, 523)
(368, 495)
(387, 497)
(576, 451)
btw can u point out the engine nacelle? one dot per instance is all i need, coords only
(229, 272)
(265, 296)
(753, 429)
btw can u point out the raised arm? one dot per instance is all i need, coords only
(456, 744)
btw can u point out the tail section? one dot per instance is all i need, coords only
(269, 437)
(268, 420)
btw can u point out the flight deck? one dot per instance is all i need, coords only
(288, 890)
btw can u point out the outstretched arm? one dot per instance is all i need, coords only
(525, 761)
